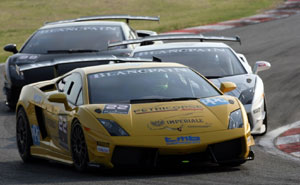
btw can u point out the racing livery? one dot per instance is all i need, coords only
(86, 36)
(217, 62)
(132, 114)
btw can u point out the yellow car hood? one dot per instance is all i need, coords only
(170, 118)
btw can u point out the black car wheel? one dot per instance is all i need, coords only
(24, 139)
(78, 147)
(11, 100)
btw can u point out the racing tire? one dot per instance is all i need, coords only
(79, 148)
(23, 136)
(11, 101)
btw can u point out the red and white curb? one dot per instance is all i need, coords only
(283, 141)
(288, 8)
(289, 142)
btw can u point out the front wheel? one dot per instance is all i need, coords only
(23, 135)
(79, 148)
(11, 100)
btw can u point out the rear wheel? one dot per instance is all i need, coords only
(24, 139)
(79, 148)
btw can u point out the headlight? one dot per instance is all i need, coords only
(236, 119)
(246, 96)
(113, 128)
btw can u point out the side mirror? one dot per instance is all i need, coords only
(60, 98)
(11, 48)
(227, 87)
(261, 66)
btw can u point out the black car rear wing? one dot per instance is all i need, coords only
(182, 37)
(108, 17)
(55, 63)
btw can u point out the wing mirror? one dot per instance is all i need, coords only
(261, 66)
(11, 48)
(227, 87)
(60, 98)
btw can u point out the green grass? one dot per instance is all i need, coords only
(20, 18)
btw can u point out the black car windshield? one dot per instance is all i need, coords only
(211, 62)
(75, 38)
(144, 85)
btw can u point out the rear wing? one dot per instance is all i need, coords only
(55, 63)
(182, 37)
(108, 17)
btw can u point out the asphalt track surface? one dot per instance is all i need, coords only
(277, 42)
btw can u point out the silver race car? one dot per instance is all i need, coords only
(218, 62)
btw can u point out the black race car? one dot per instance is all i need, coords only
(86, 36)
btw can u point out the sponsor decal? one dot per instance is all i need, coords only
(161, 125)
(182, 140)
(103, 149)
(116, 109)
(210, 102)
(79, 28)
(168, 109)
(100, 143)
(183, 121)
(179, 51)
(138, 71)
(37, 98)
(35, 132)
(255, 111)
(63, 131)
(28, 57)
(169, 124)
(158, 123)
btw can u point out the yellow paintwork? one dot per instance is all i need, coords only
(210, 123)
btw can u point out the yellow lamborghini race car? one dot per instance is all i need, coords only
(131, 114)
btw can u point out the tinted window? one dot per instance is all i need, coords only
(211, 62)
(73, 38)
(72, 87)
(125, 85)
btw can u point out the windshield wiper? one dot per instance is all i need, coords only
(73, 51)
(161, 99)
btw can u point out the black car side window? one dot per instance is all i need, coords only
(71, 86)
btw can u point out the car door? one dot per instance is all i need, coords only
(59, 119)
